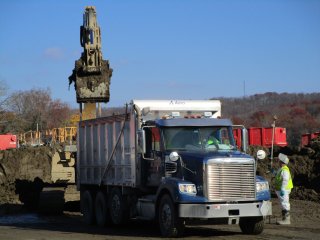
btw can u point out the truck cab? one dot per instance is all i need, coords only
(194, 162)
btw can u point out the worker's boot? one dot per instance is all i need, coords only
(283, 212)
(285, 218)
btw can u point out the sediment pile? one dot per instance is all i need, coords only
(304, 166)
(23, 169)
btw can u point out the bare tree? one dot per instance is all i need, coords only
(3, 94)
(35, 108)
(3, 103)
(58, 114)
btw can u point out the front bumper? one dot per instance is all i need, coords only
(225, 210)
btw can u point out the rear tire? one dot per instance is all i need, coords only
(119, 213)
(169, 222)
(87, 207)
(101, 209)
(253, 226)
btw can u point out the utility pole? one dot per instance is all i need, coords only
(273, 131)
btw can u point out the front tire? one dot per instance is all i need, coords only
(253, 226)
(169, 222)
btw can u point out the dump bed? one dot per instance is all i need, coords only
(107, 151)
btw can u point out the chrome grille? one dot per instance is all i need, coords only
(230, 180)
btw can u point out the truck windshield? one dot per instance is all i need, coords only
(198, 138)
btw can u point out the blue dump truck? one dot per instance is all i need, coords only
(173, 161)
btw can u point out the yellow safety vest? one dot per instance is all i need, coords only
(279, 179)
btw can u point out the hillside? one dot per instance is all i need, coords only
(298, 113)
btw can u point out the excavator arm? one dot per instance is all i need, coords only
(90, 40)
(92, 74)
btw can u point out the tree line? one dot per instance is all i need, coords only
(299, 113)
(32, 109)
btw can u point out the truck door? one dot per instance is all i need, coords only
(153, 155)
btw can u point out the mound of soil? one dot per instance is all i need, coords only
(23, 170)
(304, 166)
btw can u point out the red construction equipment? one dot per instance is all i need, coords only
(8, 141)
(259, 136)
(307, 137)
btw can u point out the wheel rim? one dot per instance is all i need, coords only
(166, 216)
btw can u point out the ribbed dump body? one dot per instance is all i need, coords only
(106, 151)
(231, 179)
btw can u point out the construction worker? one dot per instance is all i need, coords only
(212, 140)
(283, 186)
(212, 143)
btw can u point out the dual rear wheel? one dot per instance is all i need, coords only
(103, 209)
(100, 209)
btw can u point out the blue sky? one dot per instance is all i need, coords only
(166, 49)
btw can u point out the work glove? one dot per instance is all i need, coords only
(281, 193)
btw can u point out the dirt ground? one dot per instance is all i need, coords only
(28, 225)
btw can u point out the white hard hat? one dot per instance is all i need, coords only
(283, 158)
(261, 154)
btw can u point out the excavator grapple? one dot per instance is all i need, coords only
(92, 74)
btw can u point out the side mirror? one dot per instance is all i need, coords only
(142, 144)
(241, 137)
(244, 140)
(141, 141)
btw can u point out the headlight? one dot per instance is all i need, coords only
(262, 186)
(187, 188)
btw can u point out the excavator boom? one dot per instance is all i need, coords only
(90, 40)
